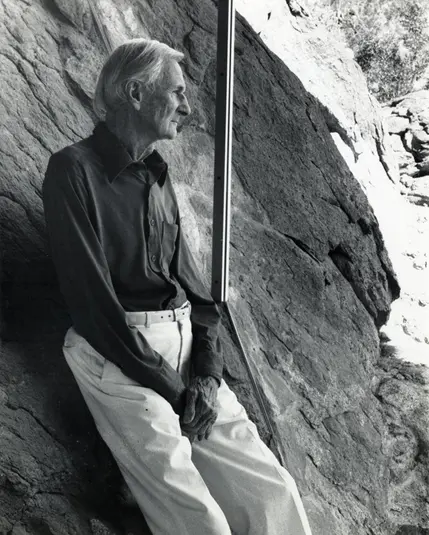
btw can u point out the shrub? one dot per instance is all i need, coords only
(388, 37)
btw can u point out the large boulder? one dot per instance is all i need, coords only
(311, 280)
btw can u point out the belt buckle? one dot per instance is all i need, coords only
(177, 313)
(181, 311)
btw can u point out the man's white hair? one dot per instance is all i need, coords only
(136, 59)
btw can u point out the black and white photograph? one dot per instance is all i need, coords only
(214, 280)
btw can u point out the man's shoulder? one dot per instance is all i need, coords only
(67, 169)
(72, 164)
(78, 155)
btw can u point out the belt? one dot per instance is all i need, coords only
(158, 316)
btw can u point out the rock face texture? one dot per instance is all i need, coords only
(362, 136)
(407, 121)
(311, 280)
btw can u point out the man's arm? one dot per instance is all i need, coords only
(87, 287)
(207, 355)
(201, 397)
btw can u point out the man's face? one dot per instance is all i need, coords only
(167, 105)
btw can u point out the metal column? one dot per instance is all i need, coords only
(223, 148)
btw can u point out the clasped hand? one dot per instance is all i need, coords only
(200, 408)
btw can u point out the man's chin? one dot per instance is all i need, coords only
(168, 137)
(171, 135)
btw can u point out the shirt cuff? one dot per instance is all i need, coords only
(208, 370)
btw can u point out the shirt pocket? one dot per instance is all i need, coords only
(169, 234)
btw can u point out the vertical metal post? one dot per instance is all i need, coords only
(223, 147)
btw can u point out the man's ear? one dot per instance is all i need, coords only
(134, 94)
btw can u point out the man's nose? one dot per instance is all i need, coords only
(184, 108)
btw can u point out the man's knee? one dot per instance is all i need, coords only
(287, 484)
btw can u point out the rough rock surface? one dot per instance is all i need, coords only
(407, 120)
(362, 136)
(319, 286)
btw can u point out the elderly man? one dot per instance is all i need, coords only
(144, 345)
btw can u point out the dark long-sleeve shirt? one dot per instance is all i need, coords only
(117, 245)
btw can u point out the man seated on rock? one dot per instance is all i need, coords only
(144, 345)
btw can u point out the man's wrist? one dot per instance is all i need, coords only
(205, 380)
(214, 379)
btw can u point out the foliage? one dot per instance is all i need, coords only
(388, 37)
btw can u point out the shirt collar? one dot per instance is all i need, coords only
(116, 157)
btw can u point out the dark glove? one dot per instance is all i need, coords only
(201, 407)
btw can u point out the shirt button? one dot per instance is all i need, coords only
(152, 222)
(153, 258)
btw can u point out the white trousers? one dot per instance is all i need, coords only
(230, 482)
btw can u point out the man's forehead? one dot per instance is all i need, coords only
(174, 74)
